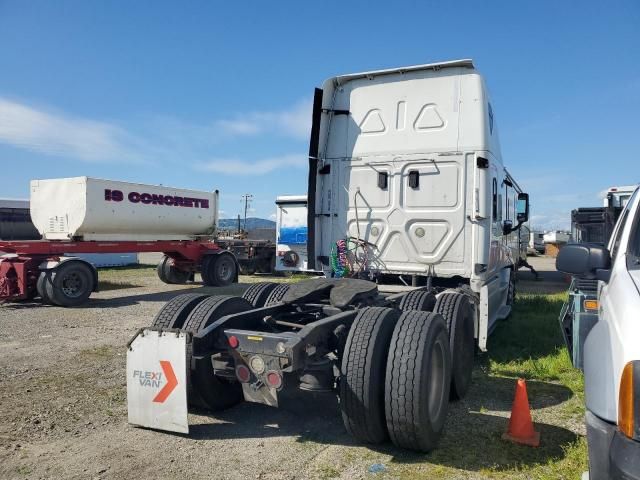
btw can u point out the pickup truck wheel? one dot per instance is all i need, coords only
(418, 377)
(71, 284)
(277, 294)
(41, 287)
(174, 313)
(417, 300)
(219, 270)
(362, 377)
(205, 389)
(258, 293)
(458, 314)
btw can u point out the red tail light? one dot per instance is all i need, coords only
(242, 373)
(233, 341)
(274, 379)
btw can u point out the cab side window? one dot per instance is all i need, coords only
(617, 235)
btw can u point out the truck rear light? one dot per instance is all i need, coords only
(242, 373)
(233, 341)
(257, 364)
(274, 379)
(628, 400)
(591, 305)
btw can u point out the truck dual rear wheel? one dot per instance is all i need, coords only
(70, 284)
(277, 294)
(174, 313)
(218, 270)
(363, 373)
(258, 293)
(458, 313)
(205, 388)
(418, 377)
(417, 300)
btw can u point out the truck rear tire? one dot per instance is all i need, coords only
(418, 377)
(363, 373)
(277, 294)
(458, 314)
(71, 283)
(205, 388)
(174, 313)
(219, 270)
(258, 293)
(417, 300)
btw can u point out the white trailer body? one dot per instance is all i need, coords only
(408, 160)
(95, 209)
(291, 233)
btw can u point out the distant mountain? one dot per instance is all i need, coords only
(252, 223)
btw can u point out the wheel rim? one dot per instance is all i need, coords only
(225, 272)
(436, 380)
(72, 285)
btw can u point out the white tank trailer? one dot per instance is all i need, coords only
(106, 210)
(82, 215)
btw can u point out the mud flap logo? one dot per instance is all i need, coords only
(155, 379)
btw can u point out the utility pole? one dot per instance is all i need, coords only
(247, 197)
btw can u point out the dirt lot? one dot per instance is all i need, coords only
(63, 410)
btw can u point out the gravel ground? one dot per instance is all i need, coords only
(63, 408)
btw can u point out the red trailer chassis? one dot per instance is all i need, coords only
(22, 263)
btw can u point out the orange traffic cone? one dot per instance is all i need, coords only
(520, 425)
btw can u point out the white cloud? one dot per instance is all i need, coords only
(259, 167)
(32, 129)
(293, 122)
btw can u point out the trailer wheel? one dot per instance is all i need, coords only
(205, 388)
(277, 294)
(417, 300)
(418, 378)
(258, 293)
(174, 313)
(219, 270)
(363, 373)
(168, 273)
(160, 269)
(247, 269)
(458, 314)
(71, 284)
(41, 287)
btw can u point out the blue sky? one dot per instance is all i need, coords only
(209, 95)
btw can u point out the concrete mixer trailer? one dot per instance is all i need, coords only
(90, 215)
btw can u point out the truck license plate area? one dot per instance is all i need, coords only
(157, 380)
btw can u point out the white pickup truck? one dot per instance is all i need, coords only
(611, 346)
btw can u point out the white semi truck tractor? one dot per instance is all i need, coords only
(405, 180)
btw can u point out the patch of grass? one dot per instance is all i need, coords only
(101, 352)
(24, 470)
(327, 471)
(106, 285)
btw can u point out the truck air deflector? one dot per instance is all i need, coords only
(314, 142)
